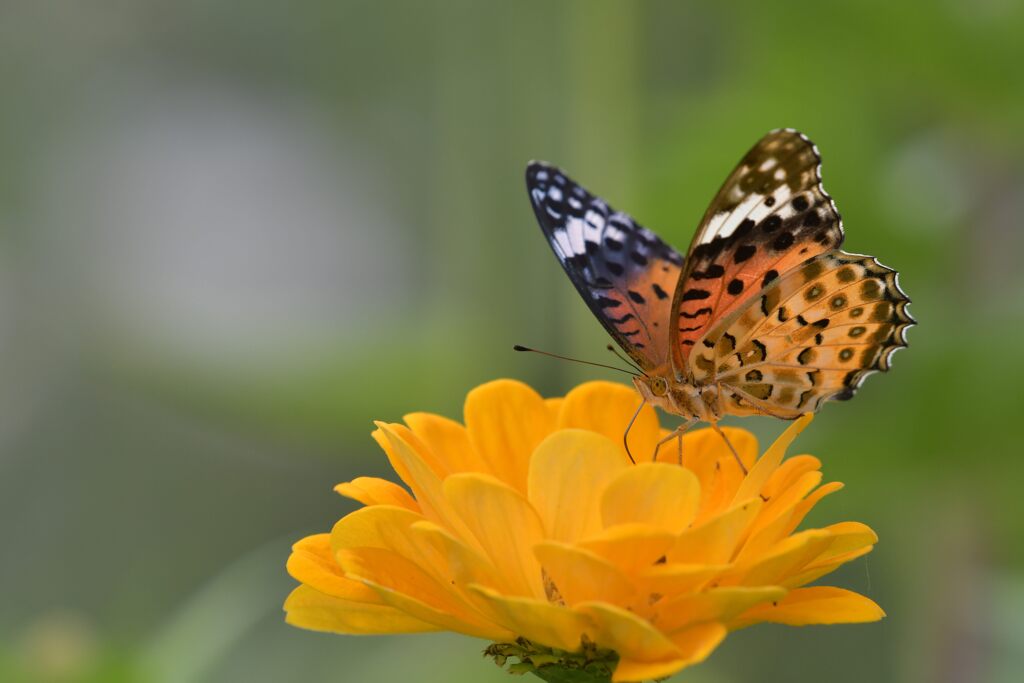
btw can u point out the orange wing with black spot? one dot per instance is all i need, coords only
(812, 335)
(624, 272)
(771, 215)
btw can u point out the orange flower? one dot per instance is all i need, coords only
(530, 522)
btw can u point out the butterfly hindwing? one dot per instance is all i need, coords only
(813, 334)
(624, 272)
(770, 215)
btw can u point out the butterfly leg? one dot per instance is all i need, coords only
(625, 435)
(676, 434)
(714, 425)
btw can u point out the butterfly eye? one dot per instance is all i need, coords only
(659, 387)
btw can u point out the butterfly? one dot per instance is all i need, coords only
(765, 315)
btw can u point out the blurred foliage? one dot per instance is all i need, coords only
(232, 234)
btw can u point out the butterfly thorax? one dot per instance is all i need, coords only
(680, 397)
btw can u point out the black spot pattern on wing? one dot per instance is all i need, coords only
(846, 317)
(623, 271)
(770, 215)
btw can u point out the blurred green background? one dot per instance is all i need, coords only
(233, 233)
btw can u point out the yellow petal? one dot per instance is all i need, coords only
(631, 670)
(312, 563)
(504, 524)
(716, 604)
(817, 569)
(376, 491)
(717, 495)
(463, 563)
(423, 479)
(387, 569)
(423, 453)
(769, 462)
(815, 605)
(554, 406)
(783, 504)
(506, 420)
(788, 472)
(630, 547)
(715, 541)
(479, 627)
(307, 608)
(761, 541)
(390, 528)
(582, 575)
(694, 645)
(606, 408)
(812, 499)
(405, 586)
(537, 620)
(447, 440)
(568, 471)
(850, 540)
(626, 633)
(467, 567)
(788, 557)
(703, 448)
(396, 464)
(373, 527)
(656, 494)
(848, 536)
(674, 579)
(786, 519)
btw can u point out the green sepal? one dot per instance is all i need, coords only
(589, 664)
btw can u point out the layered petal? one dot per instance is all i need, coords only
(403, 585)
(376, 491)
(530, 526)
(717, 539)
(504, 524)
(423, 478)
(568, 473)
(655, 494)
(717, 604)
(693, 644)
(766, 465)
(606, 408)
(448, 441)
(538, 620)
(581, 575)
(309, 608)
(313, 563)
(628, 634)
(631, 547)
(506, 420)
(815, 605)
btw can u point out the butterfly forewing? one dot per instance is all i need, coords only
(624, 272)
(812, 335)
(770, 215)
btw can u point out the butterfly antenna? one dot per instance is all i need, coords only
(626, 360)
(517, 347)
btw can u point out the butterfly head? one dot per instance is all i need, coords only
(657, 386)
(655, 390)
(679, 397)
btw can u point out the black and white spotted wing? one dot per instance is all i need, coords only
(624, 272)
